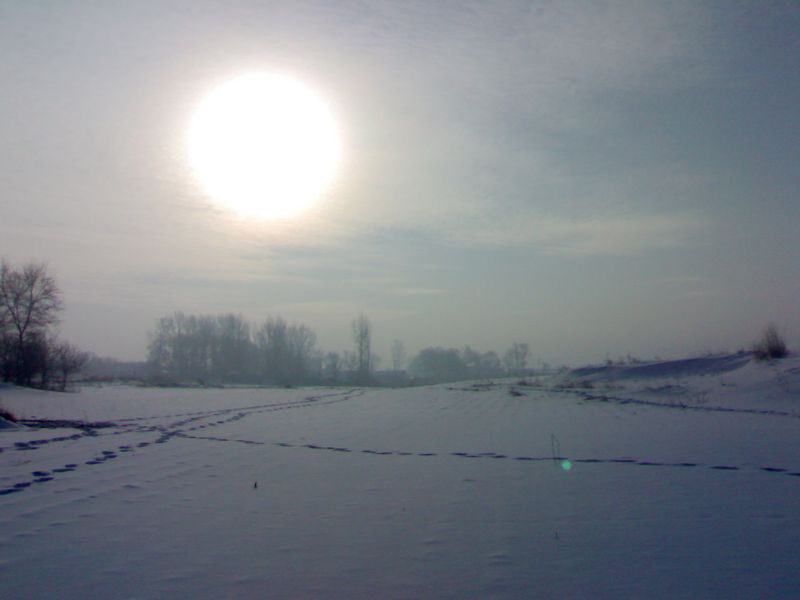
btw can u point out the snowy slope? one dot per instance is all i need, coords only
(734, 381)
(458, 491)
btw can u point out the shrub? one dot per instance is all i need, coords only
(771, 345)
(7, 415)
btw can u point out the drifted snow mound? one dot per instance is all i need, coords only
(732, 381)
(707, 365)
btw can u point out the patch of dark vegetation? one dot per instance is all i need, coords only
(65, 423)
(476, 387)
(535, 383)
(8, 415)
(574, 384)
(770, 346)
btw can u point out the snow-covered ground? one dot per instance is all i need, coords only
(671, 480)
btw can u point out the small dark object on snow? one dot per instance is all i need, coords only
(255, 485)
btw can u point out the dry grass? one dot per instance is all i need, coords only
(771, 345)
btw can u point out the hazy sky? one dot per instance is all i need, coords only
(594, 178)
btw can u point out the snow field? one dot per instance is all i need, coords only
(437, 492)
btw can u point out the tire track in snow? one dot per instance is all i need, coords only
(90, 429)
(558, 460)
(603, 398)
(168, 432)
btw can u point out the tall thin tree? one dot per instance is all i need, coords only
(362, 339)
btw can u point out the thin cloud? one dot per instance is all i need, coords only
(621, 236)
(420, 292)
(479, 96)
(618, 237)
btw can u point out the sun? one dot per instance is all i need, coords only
(264, 145)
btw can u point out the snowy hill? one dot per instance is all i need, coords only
(735, 381)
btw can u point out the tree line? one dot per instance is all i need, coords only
(216, 348)
(30, 352)
(437, 364)
(228, 348)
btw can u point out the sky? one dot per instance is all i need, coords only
(594, 178)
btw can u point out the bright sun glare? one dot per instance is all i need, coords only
(264, 145)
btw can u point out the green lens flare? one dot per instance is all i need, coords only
(566, 465)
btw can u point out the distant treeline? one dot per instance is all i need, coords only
(228, 348)
(449, 364)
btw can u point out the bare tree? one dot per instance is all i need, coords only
(30, 301)
(68, 360)
(516, 357)
(285, 351)
(332, 366)
(233, 348)
(349, 363)
(301, 342)
(362, 338)
(273, 349)
(398, 356)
